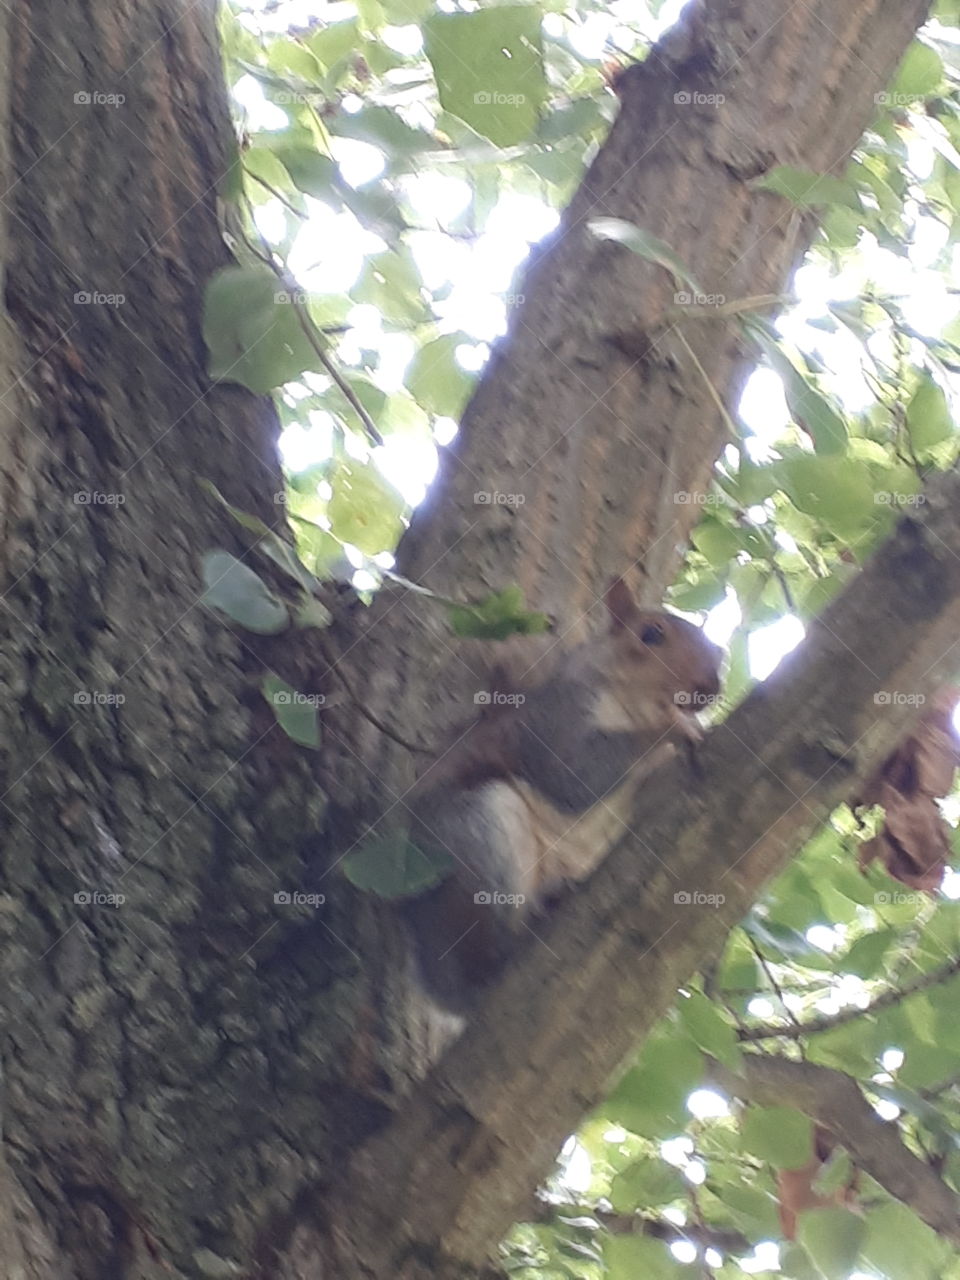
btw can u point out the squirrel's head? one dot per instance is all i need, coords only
(666, 652)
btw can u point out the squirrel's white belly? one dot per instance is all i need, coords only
(563, 846)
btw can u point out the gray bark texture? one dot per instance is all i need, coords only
(196, 1083)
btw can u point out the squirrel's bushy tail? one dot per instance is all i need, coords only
(466, 927)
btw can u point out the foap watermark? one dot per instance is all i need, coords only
(291, 698)
(885, 498)
(686, 298)
(898, 99)
(493, 898)
(94, 298)
(687, 498)
(896, 898)
(94, 498)
(98, 898)
(692, 98)
(291, 97)
(694, 898)
(487, 98)
(291, 297)
(493, 698)
(697, 701)
(894, 698)
(97, 698)
(95, 98)
(296, 898)
(486, 498)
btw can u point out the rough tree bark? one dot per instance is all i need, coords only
(185, 1074)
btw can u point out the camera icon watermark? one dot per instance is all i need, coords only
(94, 298)
(94, 498)
(291, 698)
(296, 898)
(696, 701)
(494, 698)
(94, 98)
(486, 98)
(894, 698)
(687, 498)
(486, 498)
(886, 498)
(494, 898)
(898, 99)
(685, 298)
(688, 98)
(694, 898)
(96, 698)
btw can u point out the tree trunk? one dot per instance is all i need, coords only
(187, 1070)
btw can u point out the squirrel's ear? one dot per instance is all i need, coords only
(620, 603)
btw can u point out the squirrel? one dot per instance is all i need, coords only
(535, 791)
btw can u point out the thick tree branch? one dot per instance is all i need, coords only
(796, 1030)
(455, 1167)
(835, 1101)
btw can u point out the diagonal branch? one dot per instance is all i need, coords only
(796, 1030)
(835, 1100)
(456, 1166)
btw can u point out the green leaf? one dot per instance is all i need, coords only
(390, 865)
(312, 172)
(832, 1239)
(333, 42)
(920, 73)
(644, 245)
(809, 408)
(297, 715)
(436, 380)
(900, 1246)
(835, 1174)
(386, 130)
(710, 1029)
(838, 491)
(865, 957)
(489, 69)
(808, 190)
(270, 543)
(500, 615)
(630, 1257)
(365, 509)
(646, 1183)
(650, 1098)
(262, 163)
(928, 417)
(234, 589)
(392, 283)
(779, 1136)
(252, 331)
(717, 542)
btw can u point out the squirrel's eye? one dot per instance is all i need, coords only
(652, 634)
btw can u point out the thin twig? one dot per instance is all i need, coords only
(364, 711)
(308, 327)
(714, 393)
(883, 1001)
(762, 961)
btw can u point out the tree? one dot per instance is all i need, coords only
(209, 1070)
